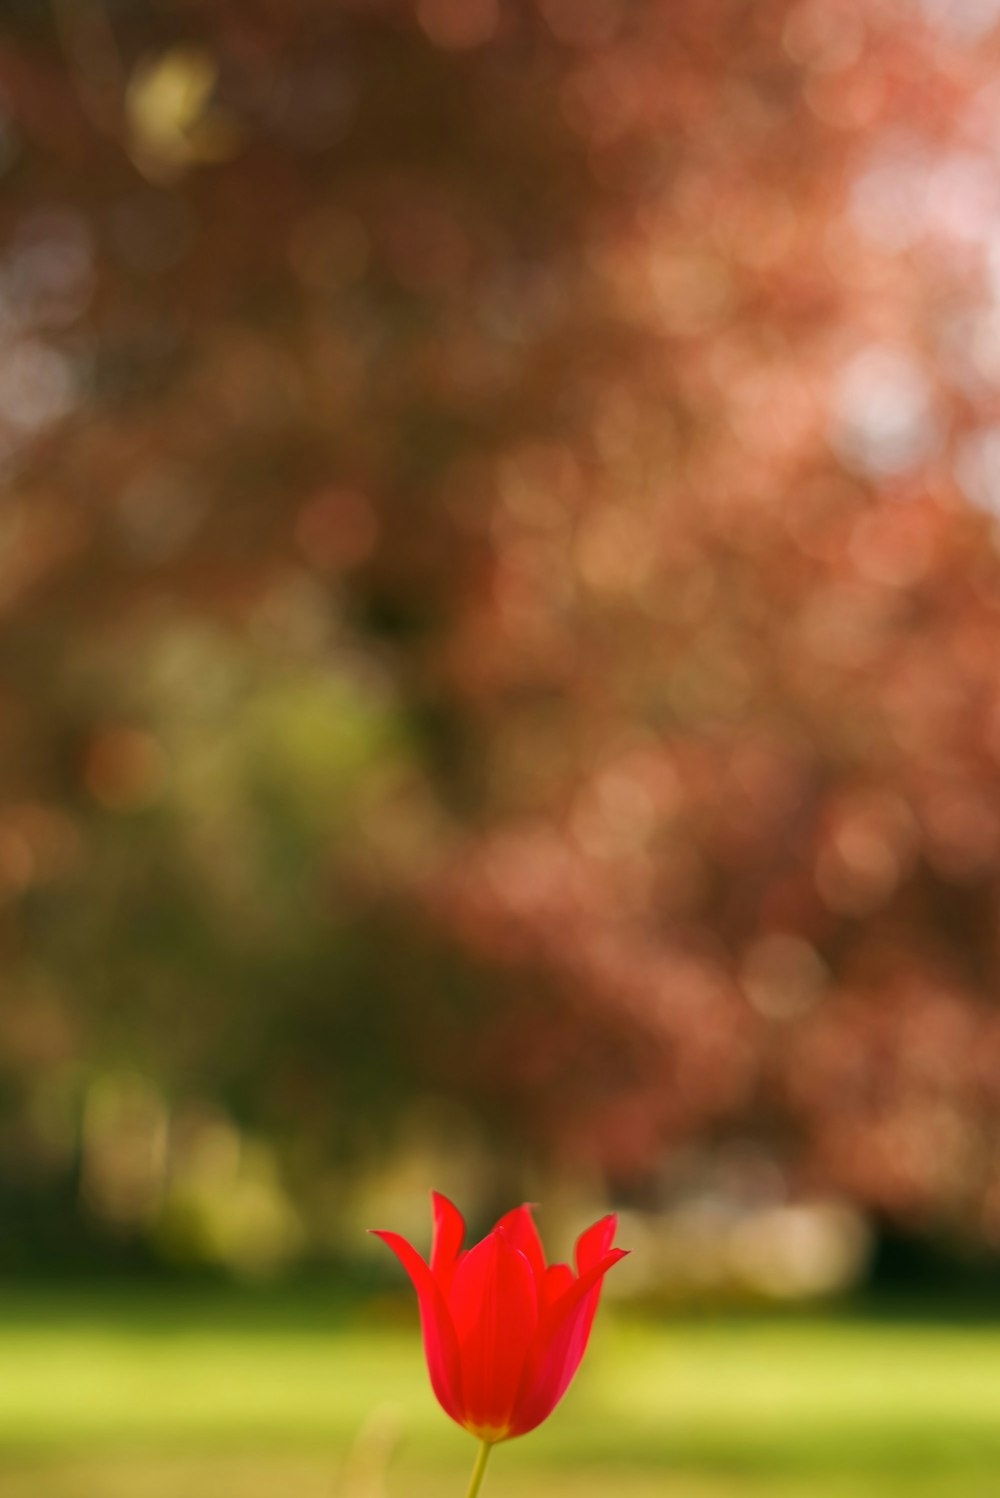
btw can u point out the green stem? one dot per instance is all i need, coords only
(485, 1447)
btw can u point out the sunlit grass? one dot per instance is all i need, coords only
(160, 1393)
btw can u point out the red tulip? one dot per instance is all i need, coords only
(503, 1333)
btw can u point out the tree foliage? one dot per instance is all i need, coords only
(498, 559)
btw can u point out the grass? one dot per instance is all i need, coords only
(150, 1394)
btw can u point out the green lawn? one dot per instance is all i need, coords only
(147, 1395)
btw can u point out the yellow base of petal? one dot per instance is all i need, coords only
(489, 1434)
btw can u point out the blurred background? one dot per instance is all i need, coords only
(499, 690)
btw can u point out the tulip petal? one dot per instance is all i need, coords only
(494, 1309)
(595, 1242)
(558, 1278)
(519, 1228)
(592, 1298)
(449, 1235)
(559, 1345)
(440, 1341)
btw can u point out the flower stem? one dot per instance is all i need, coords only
(485, 1447)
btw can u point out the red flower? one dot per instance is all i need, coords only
(503, 1333)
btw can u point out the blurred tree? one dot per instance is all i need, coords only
(500, 580)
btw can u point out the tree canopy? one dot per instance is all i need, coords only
(500, 587)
